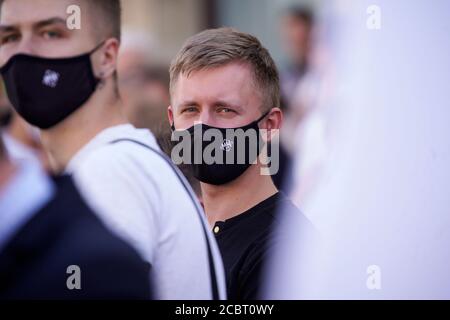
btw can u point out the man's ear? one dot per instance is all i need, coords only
(170, 115)
(273, 121)
(107, 56)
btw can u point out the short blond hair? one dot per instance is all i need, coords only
(218, 47)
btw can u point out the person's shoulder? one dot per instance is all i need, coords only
(140, 155)
(65, 206)
(66, 233)
(85, 235)
(68, 219)
(279, 211)
(275, 208)
(138, 149)
(116, 160)
(286, 207)
(290, 216)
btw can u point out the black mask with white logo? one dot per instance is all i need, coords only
(45, 91)
(242, 151)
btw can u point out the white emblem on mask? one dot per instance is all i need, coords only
(226, 145)
(50, 78)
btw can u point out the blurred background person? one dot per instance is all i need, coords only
(297, 24)
(305, 78)
(298, 85)
(143, 82)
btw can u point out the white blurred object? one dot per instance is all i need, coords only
(382, 205)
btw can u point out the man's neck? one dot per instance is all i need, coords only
(65, 139)
(224, 202)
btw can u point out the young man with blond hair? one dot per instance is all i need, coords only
(225, 82)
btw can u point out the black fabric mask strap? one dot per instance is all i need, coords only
(263, 116)
(97, 79)
(97, 47)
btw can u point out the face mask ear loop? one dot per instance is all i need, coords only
(263, 116)
(99, 79)
(97, 47)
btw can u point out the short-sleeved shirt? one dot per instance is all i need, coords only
(245, 242)
(142, 197)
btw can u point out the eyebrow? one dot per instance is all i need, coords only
(188, 103)
(50, 21)
(37, 25)
(217, 102)
(228, 105)
(5, 28)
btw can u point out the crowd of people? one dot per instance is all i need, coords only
(87, 176)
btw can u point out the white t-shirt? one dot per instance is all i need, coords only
(142, 197)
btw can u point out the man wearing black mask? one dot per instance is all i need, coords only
(63, 80)
(224, 92)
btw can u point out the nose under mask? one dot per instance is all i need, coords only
(237, 147)
(45, 91)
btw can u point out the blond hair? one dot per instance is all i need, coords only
(218, 47)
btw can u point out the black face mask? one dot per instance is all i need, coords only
(45, 91)
(243, 152)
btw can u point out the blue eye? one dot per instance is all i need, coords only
(189, 109)
(10, 38)
(225, 110)
(52, 35)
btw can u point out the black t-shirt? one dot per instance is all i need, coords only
(244, 242)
